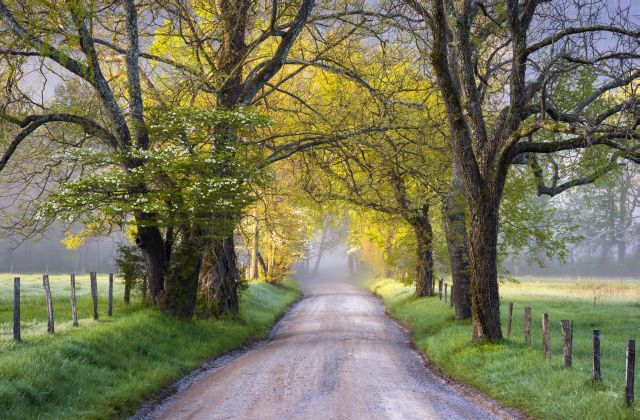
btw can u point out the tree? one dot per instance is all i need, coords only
(371, 173)
(455, 224)
(374, 84)
(223, 42)
(177, 179)
(76, 55)
(185, 191)
(131, 267)
(389, 168)
(278, 228)
(482, 53)
(606, 214)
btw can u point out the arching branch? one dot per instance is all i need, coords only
(555, 188)
(266, 70)
(42, 48)
(33, 122)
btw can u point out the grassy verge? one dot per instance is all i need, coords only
(107, 370)
(519, 376)
(33, 307)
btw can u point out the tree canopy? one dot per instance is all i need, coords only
(228, 133)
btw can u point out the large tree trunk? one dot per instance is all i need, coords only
(182, 279)
(456, 236)
(424, 253)
(151, 244)
(218, 289)
(483, 247)
(483, 183)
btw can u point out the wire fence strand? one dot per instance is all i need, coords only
(613, 354)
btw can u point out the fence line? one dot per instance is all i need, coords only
(49, 301)
(572, 345)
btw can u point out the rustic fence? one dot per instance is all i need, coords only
(93, 280)
(626, 356)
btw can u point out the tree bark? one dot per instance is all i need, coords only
(622, 223)
(456, 237)
(151, 244)
(127, 291)
(219, 263)
(182, 279)
(424, 253)
(483, 247)
(218, 289)
(265, 268)
(254, 253)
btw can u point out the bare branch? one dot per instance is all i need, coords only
(268, 69)
(42, 48)
(32, 122)
(579, 30)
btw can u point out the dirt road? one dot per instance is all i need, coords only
(335, 355)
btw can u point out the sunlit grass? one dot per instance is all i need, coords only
(105, 369)
(519, 376)
(33, 307)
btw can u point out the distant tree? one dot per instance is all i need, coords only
(131, 268)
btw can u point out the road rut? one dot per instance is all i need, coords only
(335, 355)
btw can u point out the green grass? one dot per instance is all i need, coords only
(519, 376)
(106, 369)
(33, 307)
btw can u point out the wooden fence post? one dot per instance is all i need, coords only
(94, 293)
(445, 291)
(566, 346)
(631, 368)
(546, 339)
(596, 356)
(74, 310)
(110, 308)
(509, 319)
(527, 325)
(16, 309)
(440, 288)
(571, 331)
(47, 292)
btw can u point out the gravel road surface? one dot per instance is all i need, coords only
(335, 355)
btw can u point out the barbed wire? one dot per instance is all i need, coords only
(613, 355)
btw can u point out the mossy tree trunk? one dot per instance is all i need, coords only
(218, 289)
(453, 211)
(424, 252)
(483, 253)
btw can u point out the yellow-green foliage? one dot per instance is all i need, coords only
(519, 376)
